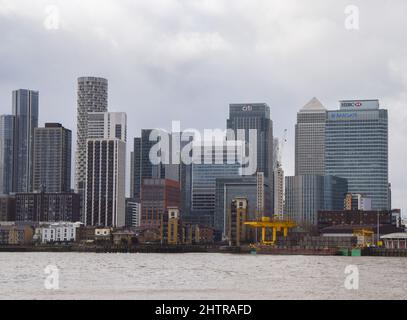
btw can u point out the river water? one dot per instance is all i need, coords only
(197, 276)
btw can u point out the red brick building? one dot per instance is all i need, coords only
(156, 196)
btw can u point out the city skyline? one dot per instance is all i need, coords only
(203, 150)
(201, 74)
(99, 119)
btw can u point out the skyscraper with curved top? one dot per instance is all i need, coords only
(92, 97)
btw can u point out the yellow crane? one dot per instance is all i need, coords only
(365, 237)
(276, 225)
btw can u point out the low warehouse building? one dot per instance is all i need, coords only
(395, 240)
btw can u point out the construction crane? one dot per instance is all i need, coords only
(279, 177)
(365, 237)
(281, 147)
(275, 224)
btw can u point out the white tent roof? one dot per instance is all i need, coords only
(399, 235)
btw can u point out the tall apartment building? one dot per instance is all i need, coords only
(92, 96)
(52, 159)
(356, 148)
(6, 153)
(105, 203)
(278, 177)
(105, 183)
(279, 191)
(310, 139)
(276, 153)
(25, 112)
(156, 196)
(107, 125)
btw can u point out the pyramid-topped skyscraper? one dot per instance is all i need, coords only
(310, 139)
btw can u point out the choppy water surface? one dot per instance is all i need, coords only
(199, 276)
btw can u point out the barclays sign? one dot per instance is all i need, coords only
(343, 115)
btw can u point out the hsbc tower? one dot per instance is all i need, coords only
(356, 148)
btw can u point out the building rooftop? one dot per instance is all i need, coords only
(314, 105)
(399, 235)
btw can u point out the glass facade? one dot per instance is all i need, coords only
(25, 111)
(204, 185)
(142, 168)
(6, 153)
(204, 177)
(305, 195)
(227, 189)
(356, 148)
(310, 139)
(255, 116)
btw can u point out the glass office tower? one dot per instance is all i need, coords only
(25, 111)
(204, 176)
(6, 153)
(307, 194)
(356, 148)
(310, 139)
(255, 116)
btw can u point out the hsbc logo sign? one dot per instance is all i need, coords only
(360, 104)
(351, 104)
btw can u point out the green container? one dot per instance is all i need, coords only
(356, 252)
(344, 252)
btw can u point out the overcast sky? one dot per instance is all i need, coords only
(188, 59)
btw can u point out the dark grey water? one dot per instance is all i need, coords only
(199, 276)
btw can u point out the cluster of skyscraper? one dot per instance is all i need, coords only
(336, 152)
(206, 187)
(35, 162)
